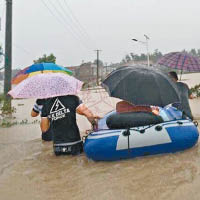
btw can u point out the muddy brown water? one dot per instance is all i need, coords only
(30, 171)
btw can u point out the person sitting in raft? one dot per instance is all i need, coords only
(185, 94)
(60, 113)
(37, 109)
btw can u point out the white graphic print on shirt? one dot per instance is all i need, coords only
(58, 110)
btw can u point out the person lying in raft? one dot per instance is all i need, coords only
(60, 113)
(167, 113)
(125, 106)
(128, 115)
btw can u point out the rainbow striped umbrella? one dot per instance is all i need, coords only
(38, 69)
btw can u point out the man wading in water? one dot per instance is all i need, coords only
(60, 112)
(184, 94)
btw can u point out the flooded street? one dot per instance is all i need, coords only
(145, 52)
(30, 170)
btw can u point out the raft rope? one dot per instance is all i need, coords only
(142, 130)
(127, 133)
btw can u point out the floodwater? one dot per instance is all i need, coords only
(30, 171)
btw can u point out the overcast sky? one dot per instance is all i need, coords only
(73, 29)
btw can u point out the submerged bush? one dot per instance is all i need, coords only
(195, 90)
(2, 98)
(5, 107)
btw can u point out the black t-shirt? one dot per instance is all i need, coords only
(61, 112)
(184, 95)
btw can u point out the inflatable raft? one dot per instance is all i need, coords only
(129, 142)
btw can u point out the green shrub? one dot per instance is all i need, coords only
(5, 107)
(2, 98)
(195, 90)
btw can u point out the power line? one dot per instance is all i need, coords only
(73, 17)
(62, 21)
(68, 17)
(22, 49)
(1, 17)
(3, 10)
(60, 13)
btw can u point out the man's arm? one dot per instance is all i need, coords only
(44, 124)
(82, 109)
(37, 108)
(34, 114)
(191, 96)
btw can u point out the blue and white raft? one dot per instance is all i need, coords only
(165, 137)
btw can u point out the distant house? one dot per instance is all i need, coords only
(87, 72)
(73, 69)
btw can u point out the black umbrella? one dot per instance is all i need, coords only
(141, 86)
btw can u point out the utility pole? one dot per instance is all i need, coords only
(106, 68)
(97, 66)
(147, 46)
(8, 52)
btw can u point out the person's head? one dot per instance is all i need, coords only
(173, 75)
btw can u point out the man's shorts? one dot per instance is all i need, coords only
(68, 149)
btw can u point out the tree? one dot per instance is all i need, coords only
(155, 56)
(123, 61)
(137, 57)
(1, 54)
(193, 52)
(198, 52)
(143, 56)
(132, 56)
(51, 58)
(127, 58)
(1, 50)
